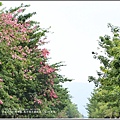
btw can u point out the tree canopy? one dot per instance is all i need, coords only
(105, 99)
(29, 84)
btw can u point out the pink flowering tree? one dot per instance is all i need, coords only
(27, 80)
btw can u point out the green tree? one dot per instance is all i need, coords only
(106, 100)
(27, 79)
(70, 111)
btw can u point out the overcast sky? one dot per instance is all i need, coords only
(77, 26)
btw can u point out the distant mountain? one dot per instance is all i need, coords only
(80, 93)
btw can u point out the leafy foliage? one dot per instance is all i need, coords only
(29, 85)
(70, 111)
(105, 100)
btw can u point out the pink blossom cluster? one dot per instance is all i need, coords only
(27, 74)
(52, 76)
(27, 24)
(1, 80)
(20, 10)
(9, 20)
(53, 94)
(1, 102)
(6, 15)
(14, 56)
(45, 52)
(44, 94)
(46, 69)
(38, 101)
(42, 42)
(14, 31)
(23, 52)
(29, 77)
(27, 50)
(35, 28)
(11, 96)
(41, 63)
(51, 82)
